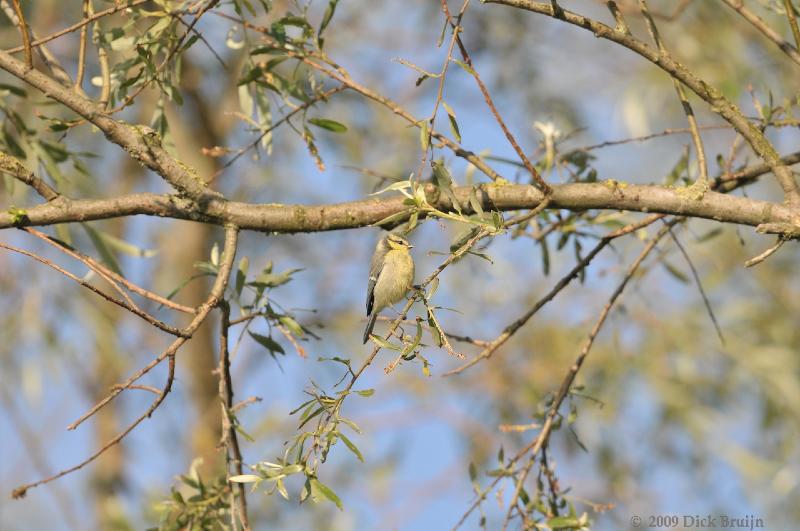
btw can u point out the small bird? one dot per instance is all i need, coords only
(391, 273)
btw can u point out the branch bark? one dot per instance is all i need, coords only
(139, 142)
(337, 216)
(710, 94)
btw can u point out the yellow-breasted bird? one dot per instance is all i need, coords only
(391, 274)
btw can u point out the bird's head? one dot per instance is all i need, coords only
(397, 243)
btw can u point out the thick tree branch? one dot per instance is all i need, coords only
(139, 142)
(711, 95)
(761, 25)
(214, 298)
(337, 216)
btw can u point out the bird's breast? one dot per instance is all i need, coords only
(395, 279)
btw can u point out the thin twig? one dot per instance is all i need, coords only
(230, 440)
(456, 27)
(702, 180)
(717, 102)
(134, 310)
(214, 298)
(761, 25)
(792, 21)
(291, 339)
(78, 25)
(202, 312)
(20, 492)
(696, 276)
(563, 391)
(766, 254)
(454, 337)
(108, 274)
(23, 30)
(511, 329)
(316, 99)
(543, 186)
(82, 48)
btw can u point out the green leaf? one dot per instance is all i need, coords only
(365, 392)
(206, 268)
(451, 114)
(417, 338)
(267, 50)
(679, 169)
(270, 280)
(13, 90)
(351, 424)
(282, 488)
(432, 287)
(320, 489)
(396, 186)
(713, 233)
(292, 469)
(474, 202)
(301, 406)
(268, 343)
(675, 272)
(241, 274)
(465, 66)
(353, 448)
(564, 522)
(330, 125)
(296, 21)
(251, 76)
(127, 247)
(326, 18)
(445, 182)
(435, 334)
(245, 478)
(106, 255)
(424, 135)
(385, 344)
(293, 326)
(316, 412)
(397, 216)
(545, 256)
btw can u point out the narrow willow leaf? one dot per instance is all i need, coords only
(241, 275)
(245, 478)
(330, 125)
(268, 343)
(424, 135)
(385, 344)
(326, 18)
(127, 247)
(353, 448)
(474, 202)
(451, 114)
(282, 489)
(465, 66)
(293, 326)
(445, 183)
(106, 255)
(397, 216)
(320, 489)
(675, 272)
(396, 186)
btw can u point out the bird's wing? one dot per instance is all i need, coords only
(375, 267)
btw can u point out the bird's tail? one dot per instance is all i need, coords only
(370, 324)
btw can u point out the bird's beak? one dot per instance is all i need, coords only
(410, 246)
